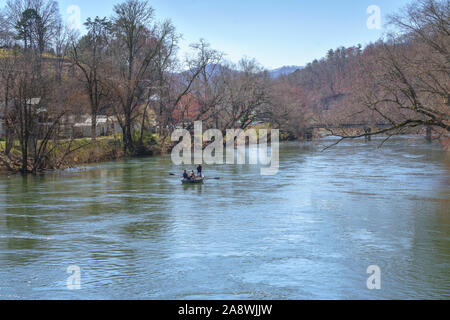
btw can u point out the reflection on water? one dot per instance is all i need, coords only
(308, 233)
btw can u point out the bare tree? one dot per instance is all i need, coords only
(409, 82)
(6, 36)
(247, 91)
(38, 20)
(136, 43)
(9, 72)
(26, 95)
(90, 56)
(209, 90)
(288, 108)
(180, 91)
(62, 40)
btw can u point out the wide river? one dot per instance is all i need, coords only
(135, 232)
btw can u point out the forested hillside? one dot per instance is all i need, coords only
(126, 68)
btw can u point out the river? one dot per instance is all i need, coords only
(310, 232)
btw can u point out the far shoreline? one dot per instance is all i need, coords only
(105, 158)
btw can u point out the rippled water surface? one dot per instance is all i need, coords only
(308, 233)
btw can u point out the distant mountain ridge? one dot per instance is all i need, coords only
(283, 71)
(214, 69)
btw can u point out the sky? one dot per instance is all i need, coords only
(274, 32)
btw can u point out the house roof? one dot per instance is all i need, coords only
(88, 121)
(30, 102)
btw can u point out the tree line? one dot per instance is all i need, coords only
(127, 66)
(402, 80)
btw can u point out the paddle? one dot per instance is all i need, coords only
(212, 178)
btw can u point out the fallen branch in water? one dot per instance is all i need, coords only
(399, 126)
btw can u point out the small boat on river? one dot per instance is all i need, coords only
(193, 181)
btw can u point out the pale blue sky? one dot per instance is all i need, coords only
(275, 32)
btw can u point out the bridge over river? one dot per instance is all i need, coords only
(366, 126)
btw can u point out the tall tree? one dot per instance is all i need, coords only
(26, 26)
(43, 18)
(247, 92)
(137, 39)
(90, 56)
(6, 36)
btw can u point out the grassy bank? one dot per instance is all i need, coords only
(83, 151)
(64, 154)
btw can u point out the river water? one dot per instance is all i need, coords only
(310, 232)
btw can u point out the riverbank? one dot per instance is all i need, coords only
(73, 153)
(78, 152)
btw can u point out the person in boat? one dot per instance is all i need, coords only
(192, 175)
(185, 175)
(199, 170)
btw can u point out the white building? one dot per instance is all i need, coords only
(106, 125)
